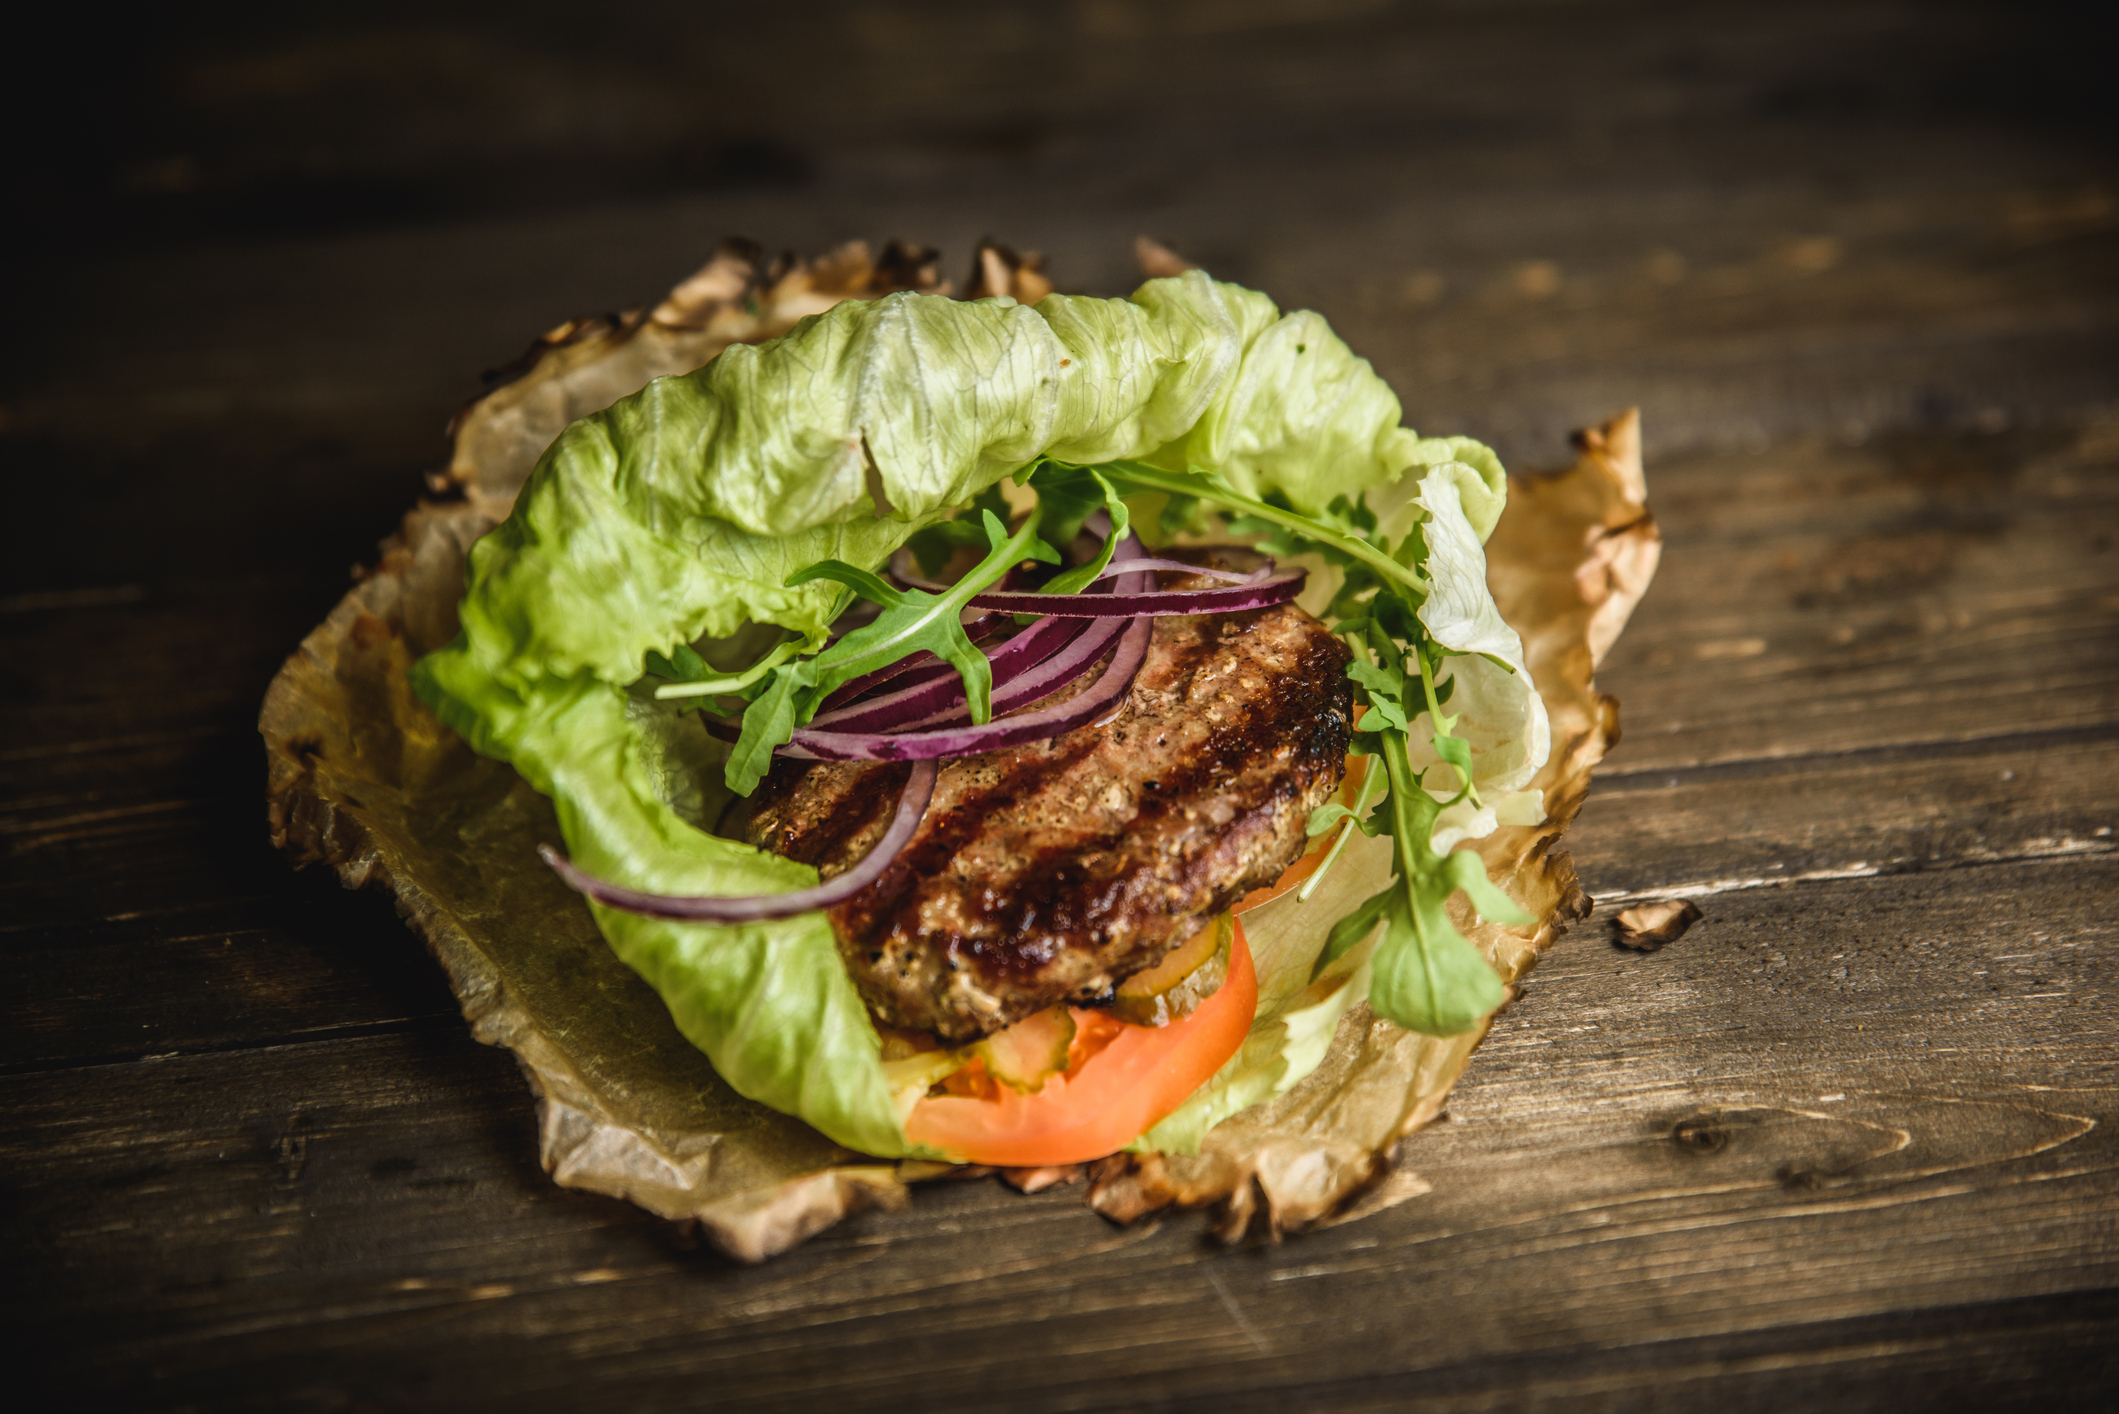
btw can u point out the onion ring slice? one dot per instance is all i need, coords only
(748, 908)
(1107, 692)
(1232, 599)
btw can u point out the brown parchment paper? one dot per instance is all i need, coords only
(363, 778)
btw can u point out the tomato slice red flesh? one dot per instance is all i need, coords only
(1110, 1099)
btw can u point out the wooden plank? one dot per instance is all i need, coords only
(131, 775)
(1820, 598)
(2036, 1353)
(136, 867)
(1519, 260)
(124, 851)
(304, 961)
(1764, 823)
(1798, 1139)
(155, 661)
(1739, 308)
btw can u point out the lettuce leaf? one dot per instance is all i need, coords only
(1497, 711)
(682, 513)
(1297, 1012)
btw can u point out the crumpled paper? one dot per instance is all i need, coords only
(363, 778)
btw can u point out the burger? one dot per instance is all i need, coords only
(928, 697)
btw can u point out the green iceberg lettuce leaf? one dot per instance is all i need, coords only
(683, 513)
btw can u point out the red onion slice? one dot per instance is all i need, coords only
(1236, 598)
(1082, 644)
(749, 908)
(1109, 689)
(983, 629)
(1034, 665)
(1030, 683)
(922, 684)
(1055, 651)
(1119, 567)
(935, 691)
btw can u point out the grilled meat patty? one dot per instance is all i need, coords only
(1052, 871)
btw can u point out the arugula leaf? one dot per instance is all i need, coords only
(866, 583)
(1069, 496)
(683, 665)
(1139, 476)
(768, 722)
(694, 677)
(1427, 976)
(912, 621)
(1178, 513)
(1351, 930)
(1458, 753)
(1452, 749)
(1332, 812)
(1386, 692)
(1321, 819)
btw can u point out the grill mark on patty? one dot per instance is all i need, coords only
(1072, 895)
(933, 853)
(841, 830)
(1020, 890)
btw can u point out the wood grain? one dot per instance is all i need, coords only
(1911, 590)
(1856, 263)
(1883, 811)
(1804, 1113)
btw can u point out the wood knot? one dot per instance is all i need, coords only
(1701, 1134)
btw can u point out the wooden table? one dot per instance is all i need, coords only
(1850, 1142)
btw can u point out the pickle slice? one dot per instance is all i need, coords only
(1187, 976)
(911, 1077)
(1030, 1052)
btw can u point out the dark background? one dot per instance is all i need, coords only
(270, 246)
(1858, 263)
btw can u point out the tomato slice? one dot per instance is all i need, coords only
(1298, 871)
(1140, 1075)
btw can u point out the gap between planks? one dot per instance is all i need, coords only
(2047, 851)
(1609, 782)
